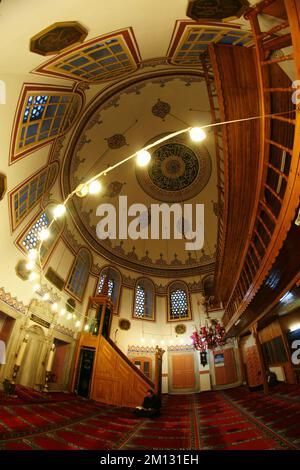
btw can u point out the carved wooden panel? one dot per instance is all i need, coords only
(254, 373)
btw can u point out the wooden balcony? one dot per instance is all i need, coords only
(277, 184)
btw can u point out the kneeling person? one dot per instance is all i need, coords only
(150, 407)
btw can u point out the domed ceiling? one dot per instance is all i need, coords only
(180, 171)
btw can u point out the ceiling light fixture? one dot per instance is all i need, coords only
(33, 276)
(32, 254)
(44, 234)
(143, 157)
(197, 134)
(95, 187)
(29, 265)
(59, 210)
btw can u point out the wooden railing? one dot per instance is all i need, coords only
(214, 101)
(280, 179)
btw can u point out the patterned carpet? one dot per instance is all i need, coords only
(235, 419)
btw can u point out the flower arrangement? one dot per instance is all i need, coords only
(209, 336)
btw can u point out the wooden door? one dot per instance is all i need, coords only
(183, 371)
(225, 371)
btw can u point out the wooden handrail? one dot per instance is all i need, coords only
(133, 367)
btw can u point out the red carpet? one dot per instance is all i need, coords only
(231, 420)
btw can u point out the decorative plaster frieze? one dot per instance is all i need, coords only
(12, 301)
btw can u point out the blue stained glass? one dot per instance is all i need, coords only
(113, 67)
(50, 111)
(30, 141)
(206, 37)
(116, 48)
(98, 54)
(192, 37)
(179, 305)
(46, 125)
(40, 99)
(79, 61)
(92, 48)
(90, 67)
(61, 109)
(199, 46)
(26, 113)
(32, 130)
(78, 72)
(228, 39)
(122, 56)
(54, 99)
(109, 60)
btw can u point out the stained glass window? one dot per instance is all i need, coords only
(114, 285)
(44, 117)
(79, 273)
(196, 39)
(178, 305)
(140, 302)
(97, 60)
(25, 198)
(111, 285)
(144, 300)
(31, 239)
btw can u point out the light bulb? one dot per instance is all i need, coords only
(32, 254)
(86, 327)
(29, 265)
(77, 324)
(46, 296)
(95, 187)
(33, 276)
(62, 312)
(197, 134)
(74, 316)
(143, 157)
(69, 316)
(59, 210)
(36, 287)
(54, 307)
(44, 234)
(82, 190)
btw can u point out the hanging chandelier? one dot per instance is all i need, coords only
(209, 336)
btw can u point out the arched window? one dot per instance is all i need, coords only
(114, 284)
(79, 274)
(144, 300)
(30, 239)
(179, 308)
